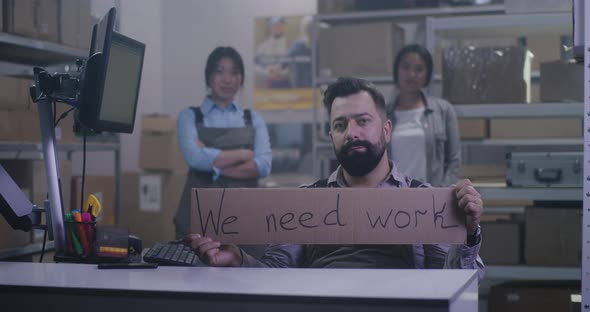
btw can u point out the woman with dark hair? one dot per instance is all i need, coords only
(425, 142)
(224, 145)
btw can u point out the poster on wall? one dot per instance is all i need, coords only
(282, 59)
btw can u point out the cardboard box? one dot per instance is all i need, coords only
(535, 128)
(158, 133)
(545, 48)
(103, 187)
(477, 128)
(328, 216)
(14, 93)
(553, 236)
(10, 238)
(538, 296)
(366, 49)
(64, 132)
(22, 126)
(503, 243)
(486, 75)
(150, 202)
(32, 18)
(562, 82)
(75, 23)
(335, 6)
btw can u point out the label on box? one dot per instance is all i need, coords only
(150, 193)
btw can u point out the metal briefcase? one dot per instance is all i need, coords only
(560, 169)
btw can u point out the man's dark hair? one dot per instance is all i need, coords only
(217, 55)
(346, 86)
(422, 52)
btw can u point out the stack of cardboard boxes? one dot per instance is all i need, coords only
(64, 21)
(150, 198)
(341, 53)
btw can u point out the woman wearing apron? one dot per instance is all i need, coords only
(224, 145)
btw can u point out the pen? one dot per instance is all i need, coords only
(82, 232)
(75, 241)
(89, 231)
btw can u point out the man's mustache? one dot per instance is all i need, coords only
(356, 143)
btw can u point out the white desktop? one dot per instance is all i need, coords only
(63, 286)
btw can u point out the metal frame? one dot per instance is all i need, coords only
(586, 207)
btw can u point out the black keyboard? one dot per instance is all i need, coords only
(172, 254)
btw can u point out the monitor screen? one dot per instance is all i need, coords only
(121, 85)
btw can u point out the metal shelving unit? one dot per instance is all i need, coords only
(18, 56)
(319, 153)
(583, 10)
(488, 24)
(408, 13)
(526, 193)
(523, 272)
(29, 51)
(519, 110)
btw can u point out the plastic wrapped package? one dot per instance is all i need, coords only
(486, 75)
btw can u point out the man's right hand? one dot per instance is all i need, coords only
(212, 252)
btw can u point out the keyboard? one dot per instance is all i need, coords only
(172, 254)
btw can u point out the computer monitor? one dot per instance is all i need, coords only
(111, 79)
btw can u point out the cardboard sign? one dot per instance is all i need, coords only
(328, 216)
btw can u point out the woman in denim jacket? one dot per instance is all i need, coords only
(425, 141)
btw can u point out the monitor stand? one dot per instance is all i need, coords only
(55, 209)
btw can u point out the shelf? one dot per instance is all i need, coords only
(388, 14)
(520, 110)
(500, 192)
(69, 147)
(523, 272)
(535, 76)
(373, 79)
(524, 142)
(18, 49)
(495, 26)
(25, 250)
(504, 210)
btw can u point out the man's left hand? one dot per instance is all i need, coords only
(470, 201)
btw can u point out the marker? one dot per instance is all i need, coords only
(75, 241)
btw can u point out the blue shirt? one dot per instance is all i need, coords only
(215, 117)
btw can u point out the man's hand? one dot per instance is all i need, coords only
(212, 252)
(470, 201)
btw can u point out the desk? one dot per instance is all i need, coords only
(81, 287)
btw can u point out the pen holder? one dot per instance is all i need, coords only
(81, 237)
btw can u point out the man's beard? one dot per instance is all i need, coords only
(360, 163)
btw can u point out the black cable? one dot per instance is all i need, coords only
(43, 247)
(83, 168)
(54, 113)
(62, 116)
